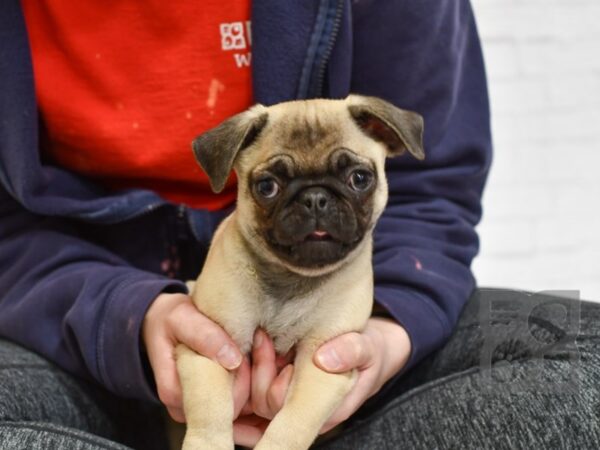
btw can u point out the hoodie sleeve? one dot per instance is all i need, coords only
(74, 302)
(425, 56)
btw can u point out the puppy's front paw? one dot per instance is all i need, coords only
(204, 441)
(286, 443)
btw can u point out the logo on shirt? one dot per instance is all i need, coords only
(237, 36)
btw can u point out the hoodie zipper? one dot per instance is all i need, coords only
(335, 28)
(322, 41)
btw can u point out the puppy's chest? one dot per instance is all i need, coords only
(287, 321)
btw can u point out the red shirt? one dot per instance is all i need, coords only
(124, 87)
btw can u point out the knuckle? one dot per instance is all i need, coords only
(209, 341)
(354, 346)
(181, 310)
(172, 319)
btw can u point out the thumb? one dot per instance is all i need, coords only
(204, 336)
(344, 353)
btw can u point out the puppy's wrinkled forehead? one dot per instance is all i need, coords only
(307, 132)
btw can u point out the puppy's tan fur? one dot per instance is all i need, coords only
(320, 303)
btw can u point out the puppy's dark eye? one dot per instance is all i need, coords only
(360, 180)
(267, 187)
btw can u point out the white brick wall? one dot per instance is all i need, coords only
(541, 225)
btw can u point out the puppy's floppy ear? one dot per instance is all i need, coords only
(217, 149)
(399, 130)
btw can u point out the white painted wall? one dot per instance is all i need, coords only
(541, 224)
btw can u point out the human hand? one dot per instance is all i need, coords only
(378, 353)
(173, 319)
(271, 376)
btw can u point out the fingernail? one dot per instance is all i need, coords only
(258, 338)
(228, 357)
(329, 359)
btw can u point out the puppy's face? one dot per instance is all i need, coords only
(310, 174)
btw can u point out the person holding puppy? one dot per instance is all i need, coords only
(105, 215)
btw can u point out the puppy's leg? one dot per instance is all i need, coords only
(312, 397)
(207, 401)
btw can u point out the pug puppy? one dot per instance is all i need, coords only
(294, 258)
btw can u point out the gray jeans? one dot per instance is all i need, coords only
(521, 371)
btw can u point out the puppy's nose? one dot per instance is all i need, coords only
(316, 199)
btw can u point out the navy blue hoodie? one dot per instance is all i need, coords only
(79, 266)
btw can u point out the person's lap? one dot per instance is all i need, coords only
(520, 371)
(511, 376)
(43, 407)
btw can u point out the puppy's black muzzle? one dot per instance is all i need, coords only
(317, 200)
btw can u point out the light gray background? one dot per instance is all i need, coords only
(541, 224)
